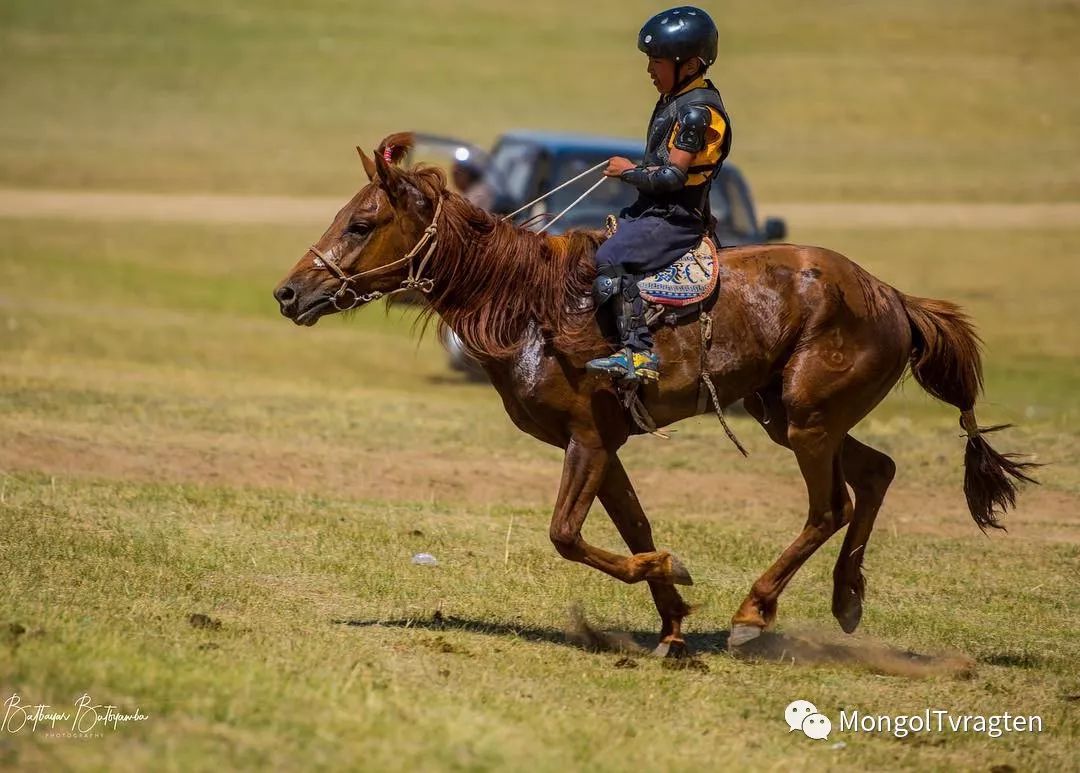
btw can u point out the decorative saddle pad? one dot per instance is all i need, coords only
(690, 279)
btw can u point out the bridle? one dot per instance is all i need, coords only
(347, 298)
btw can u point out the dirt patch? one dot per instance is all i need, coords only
(204, 622)
(816, 648)
(740, 494)
(294, 210)
(166, 207)
(585, 635)
(929, 215)
(403, 475)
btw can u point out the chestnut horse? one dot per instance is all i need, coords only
(809, 340)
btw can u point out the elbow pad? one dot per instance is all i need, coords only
(655, 179)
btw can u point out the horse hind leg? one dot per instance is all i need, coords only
(825, 390)
(818, 453)
(869, 473)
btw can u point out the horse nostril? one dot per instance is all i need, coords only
(285, 294)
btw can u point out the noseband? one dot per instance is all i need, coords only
(347, 298)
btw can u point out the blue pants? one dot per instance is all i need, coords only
(645, 244)
(640, 246)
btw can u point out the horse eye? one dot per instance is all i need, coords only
(358, 229)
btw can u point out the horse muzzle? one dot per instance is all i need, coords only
(302, 308)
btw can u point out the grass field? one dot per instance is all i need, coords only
(864, 100)
(209, 514)
(173, 448)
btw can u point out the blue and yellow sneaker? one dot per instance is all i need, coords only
(627, 365)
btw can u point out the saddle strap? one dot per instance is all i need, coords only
(640, 414)
(705, 323)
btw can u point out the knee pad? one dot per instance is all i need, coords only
(607, 284)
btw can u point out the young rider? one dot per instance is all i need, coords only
(689, 137)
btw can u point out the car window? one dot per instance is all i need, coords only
(611, 197)
(515, 166)
(740, 212)
(718, 205)
(510, 170)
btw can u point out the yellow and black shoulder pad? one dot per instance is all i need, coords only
(694, 122)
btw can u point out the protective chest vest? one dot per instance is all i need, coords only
(692, 199)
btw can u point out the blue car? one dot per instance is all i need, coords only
(524, 164)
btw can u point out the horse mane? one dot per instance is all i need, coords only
(493, 280)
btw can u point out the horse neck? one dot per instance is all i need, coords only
(492, 279)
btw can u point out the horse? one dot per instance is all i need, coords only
(809, 341)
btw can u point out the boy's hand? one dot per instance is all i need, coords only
(617, 165)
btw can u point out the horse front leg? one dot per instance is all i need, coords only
(584, 469)
(622, 505)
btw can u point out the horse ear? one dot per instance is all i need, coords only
(370, 169)
(390, 178)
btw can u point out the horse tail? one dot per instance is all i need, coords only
(946, 361)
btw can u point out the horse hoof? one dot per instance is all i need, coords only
(850, 616)
(674, 649)
(848, 610)
(680, 575)
(741, 634)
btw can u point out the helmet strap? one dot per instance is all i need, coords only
(683, 82)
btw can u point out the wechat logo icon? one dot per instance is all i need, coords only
(804, 716)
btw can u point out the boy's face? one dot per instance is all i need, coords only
(662, 72)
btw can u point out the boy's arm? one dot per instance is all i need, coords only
(660, 179)
(689, 140)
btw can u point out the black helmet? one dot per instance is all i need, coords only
(680, 34)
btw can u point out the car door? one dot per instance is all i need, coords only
(736, 222)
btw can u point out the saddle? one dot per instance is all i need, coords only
(678, 290)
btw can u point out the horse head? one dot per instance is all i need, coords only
(370, 246)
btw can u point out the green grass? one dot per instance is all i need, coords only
(327, 653)
(172, 447)
(969, 100)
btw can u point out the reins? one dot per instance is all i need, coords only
(558, 188)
